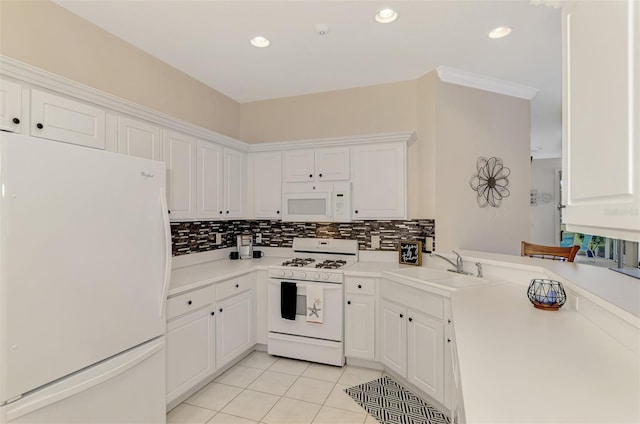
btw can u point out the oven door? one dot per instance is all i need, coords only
(331, 327)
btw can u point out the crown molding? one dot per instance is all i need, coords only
(399, 136)
(12, 68)
(481, 82)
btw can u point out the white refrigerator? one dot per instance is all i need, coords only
(85, 257)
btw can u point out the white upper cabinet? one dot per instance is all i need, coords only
(379, 181)
(323, 164)
(62, 119)
(138, 138)
(10, 106)
(180, 157)
(234, 183)
(210, 180)
(601, 118)
(267, 185)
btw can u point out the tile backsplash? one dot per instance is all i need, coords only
(200, 236)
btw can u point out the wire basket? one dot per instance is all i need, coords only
(545, 294)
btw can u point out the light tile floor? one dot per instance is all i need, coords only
(272, 390)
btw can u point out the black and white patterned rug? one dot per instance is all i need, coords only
(390, 403)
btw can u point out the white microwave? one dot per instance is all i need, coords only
(316, 202)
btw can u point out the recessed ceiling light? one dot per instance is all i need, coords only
(500, 32)
(259, 42)
(386, 15)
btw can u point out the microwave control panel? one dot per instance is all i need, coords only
(342, 202)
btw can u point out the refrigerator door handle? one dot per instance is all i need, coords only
(167, 249)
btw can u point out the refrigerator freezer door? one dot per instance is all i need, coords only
(83, 258)
(128, 388)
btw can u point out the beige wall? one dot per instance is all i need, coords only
(473, 123)
(49, 37)
(356, 111)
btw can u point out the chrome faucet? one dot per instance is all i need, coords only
(459, 264)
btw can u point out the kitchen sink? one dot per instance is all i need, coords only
(438, 278)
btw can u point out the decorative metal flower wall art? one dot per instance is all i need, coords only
(490, 182)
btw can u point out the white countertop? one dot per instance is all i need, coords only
(194, 276)
(521, 364)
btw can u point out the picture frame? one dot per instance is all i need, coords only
(410, 252)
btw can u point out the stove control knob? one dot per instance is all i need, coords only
(316, 276)
(288, 274)
(280, 273)
(303, 275)
(325, 276)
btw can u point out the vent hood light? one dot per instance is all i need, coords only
(386, 15)
(260, 42)
(500, 32)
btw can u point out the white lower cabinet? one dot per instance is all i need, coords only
(235, 323)
(412, 339)
(393, 337)
(190, 351)
(360, 318)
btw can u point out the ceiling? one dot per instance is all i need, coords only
(209, 40)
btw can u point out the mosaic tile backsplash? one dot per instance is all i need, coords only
(200, 236)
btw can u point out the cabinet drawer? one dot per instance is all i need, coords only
(234, 286)
(190, 301)
(357, 285)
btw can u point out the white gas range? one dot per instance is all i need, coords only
(305, 301)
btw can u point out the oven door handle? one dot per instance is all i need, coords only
(302, 286)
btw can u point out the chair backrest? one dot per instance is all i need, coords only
(549, 252)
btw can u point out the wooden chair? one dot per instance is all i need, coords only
(567, 254)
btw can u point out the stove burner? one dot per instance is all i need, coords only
(298, 262)
(329, 264)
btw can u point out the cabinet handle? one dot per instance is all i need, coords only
(213, 313)
(15, 121)
(227, 211)
(448, 340)
(359, 286)
(448, 321)
(39, 126)
(410, 319)
(320, 175)
(169, 211)
(189, 302)
(220, 212)
(220, 310)
(237, 285)
(356, 211)
(310, 175)
(278, 212)
(401, 316)
(348, 302)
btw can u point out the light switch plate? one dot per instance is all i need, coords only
(218, 238)
(375, 242)
(258, 238)
(428, 244)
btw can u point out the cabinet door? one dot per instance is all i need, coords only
(359, 327)
(235, 327)
(62, 119)
(426, 354)
(210, 178)
(299, 166)
(393, 337)
(10, 106)
(234, 183)
(332, 164)
(180, 157)
(190, 351)
(137, 138)
(379, 181)
(267, 185)
(601, 118)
